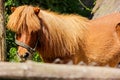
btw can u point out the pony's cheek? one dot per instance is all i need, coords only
(21, 51)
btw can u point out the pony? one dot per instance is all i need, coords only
(69, 37)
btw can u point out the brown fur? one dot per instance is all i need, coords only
(70, 36)
(102, 43)
(62, 34)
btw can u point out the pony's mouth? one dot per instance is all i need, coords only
(19, 59)
(25, 57)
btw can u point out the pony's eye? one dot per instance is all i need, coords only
(18, 35)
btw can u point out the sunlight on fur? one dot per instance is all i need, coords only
(70, 36)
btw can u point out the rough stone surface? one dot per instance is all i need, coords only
(104, 7)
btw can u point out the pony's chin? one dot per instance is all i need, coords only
(23, 59)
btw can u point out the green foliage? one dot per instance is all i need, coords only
(37, 57)
(61, 6)
(14, 58)
(12, 55)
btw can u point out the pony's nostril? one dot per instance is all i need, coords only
(26, 55)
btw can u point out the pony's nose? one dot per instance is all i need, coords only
(23, 58)
(26, 55)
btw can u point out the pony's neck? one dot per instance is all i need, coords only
(59, 20)
(62, 34)
(64, 22)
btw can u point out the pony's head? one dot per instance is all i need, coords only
(24, 21)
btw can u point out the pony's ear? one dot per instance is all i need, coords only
(36, 10)
(13, 9)
(118, 29)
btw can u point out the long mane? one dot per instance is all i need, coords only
(23, 18)
(61, 34)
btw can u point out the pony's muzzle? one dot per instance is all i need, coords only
(26, 55)
(23, 58)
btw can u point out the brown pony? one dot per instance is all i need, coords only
(67, 37)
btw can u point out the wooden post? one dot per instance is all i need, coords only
(2, 32)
